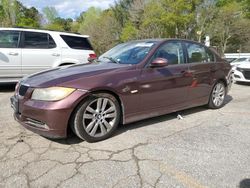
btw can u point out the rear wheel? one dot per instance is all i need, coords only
(96, 118)
(217, 96)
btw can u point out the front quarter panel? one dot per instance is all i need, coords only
(123, 83)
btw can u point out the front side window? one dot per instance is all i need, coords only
(172, 51)
(9, 39)
(198, 53)
(38, 40)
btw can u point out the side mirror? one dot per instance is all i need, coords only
(159, 62)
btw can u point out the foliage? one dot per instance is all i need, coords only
(129, 32)
(225, 21)
(50, 14)
(13, 13)
(229, 29)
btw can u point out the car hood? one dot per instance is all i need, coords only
(57, 76)
(244, 65)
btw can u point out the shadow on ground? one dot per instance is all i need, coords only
(72, 139)
(243, 84)
(7, 87)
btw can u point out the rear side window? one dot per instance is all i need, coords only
(79, 43)
(9, 39)
(199, 54)
(38, 40)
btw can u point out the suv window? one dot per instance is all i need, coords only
(9, 39)
(38, 40)
(198, 53)
(79, 43)
(172, 51)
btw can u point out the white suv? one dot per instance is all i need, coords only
(26, 51)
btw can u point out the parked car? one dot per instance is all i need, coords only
(241, 60)
(26, 51)
(130, 82)
(242, 73)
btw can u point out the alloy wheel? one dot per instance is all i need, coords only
(99, 117)
(218, 94)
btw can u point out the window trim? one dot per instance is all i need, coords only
(19, 38)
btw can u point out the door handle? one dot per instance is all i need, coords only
(13, 53)
(55, 54)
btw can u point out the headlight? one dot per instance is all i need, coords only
(51, 94)
(239, 69)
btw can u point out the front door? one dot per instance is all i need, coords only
(10, 55)
(165, 88)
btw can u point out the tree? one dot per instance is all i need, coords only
(153, 26)
(13, 13)
(102, 27)
(205, 12)
(8, 12)
(27, 17)
(228, 25)
(121, 11)
(88, 18)
(129, 32)
(50, 14)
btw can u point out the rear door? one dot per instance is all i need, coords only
(39, 52)
(201, 66)
(10, 55)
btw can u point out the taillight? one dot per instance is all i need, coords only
(92, 56)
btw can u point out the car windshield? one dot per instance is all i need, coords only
(239, 60)
(127, 53)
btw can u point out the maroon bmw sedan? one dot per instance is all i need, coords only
(130, 82)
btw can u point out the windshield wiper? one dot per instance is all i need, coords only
(111, 59)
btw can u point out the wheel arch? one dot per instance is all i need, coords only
(224, 81)
(91, 94)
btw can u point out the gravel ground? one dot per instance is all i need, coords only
(208, 148)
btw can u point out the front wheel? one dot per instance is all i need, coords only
(96, 118)
(217, 96)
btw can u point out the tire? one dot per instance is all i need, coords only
(96, 118)
(217, 96)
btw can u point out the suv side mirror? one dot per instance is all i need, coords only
(159, 62)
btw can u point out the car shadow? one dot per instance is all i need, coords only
(242, 83)
(245, 183)
(72, 139)
(5, 88)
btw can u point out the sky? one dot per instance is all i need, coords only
(68, 8)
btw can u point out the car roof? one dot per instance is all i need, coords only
(165, 39)
(43, 30)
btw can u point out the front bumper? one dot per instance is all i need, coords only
(49, 119)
